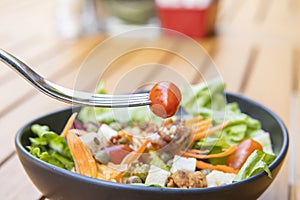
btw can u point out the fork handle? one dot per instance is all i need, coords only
(21, 68)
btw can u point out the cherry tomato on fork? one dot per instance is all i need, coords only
(165, 98)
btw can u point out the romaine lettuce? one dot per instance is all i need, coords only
(50, 147)
(257, 162)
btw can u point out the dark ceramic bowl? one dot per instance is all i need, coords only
(57, 183)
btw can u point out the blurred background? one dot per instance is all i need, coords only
(255, 45)
(76, 18)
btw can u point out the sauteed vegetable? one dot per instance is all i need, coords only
(209, 146)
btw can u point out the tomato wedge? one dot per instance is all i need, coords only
(244, 149)
(117, 152)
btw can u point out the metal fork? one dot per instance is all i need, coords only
(72, 96)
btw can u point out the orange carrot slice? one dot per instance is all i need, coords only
(125, 135)
(83, 158)
(224, 168)
(119, 177)
(194, 154)
(68, 125)
(191, 122)
(203, 123)
(210, 131)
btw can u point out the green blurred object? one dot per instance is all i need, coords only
(131, 11)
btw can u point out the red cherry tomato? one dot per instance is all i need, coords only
(165, 98)
(117, 152)
(239, 157)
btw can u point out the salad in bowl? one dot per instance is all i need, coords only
(211, 146)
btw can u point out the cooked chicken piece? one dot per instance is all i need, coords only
(185, 179)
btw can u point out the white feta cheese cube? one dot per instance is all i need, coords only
(107, 132)
(218, 178)
(157, 176)
(184, 164)
(94, 141)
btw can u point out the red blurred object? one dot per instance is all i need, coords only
(194, 22)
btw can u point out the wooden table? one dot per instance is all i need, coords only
(256, 50)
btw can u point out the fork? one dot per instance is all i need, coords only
(72, 96)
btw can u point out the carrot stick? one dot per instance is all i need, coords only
(124, 134)
(190, 122)
(223, 168)
(133, 156)
(119, 177)
(229, 151)
(68, 125)
(83, 158)
(210, 131)
(197, 151)
(203, 123)
(143, 147)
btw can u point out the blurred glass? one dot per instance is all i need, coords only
(77, 18)
(137, 12)
(126, 15)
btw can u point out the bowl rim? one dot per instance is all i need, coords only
(279, 158)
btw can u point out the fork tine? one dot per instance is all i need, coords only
(113, 104)
(131, 100)
(121, 96)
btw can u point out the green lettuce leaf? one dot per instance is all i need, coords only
(196, 98)
(157, 161)
(257, 162)
(50, 147)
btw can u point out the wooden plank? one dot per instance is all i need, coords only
(25, 22)
(296, 112)
(266, 72)
(262, 88)
(21, 187)
(246, 17)
(284, 13)
(228, 10)
(10, 6)
(269, 71)
(232, 57)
